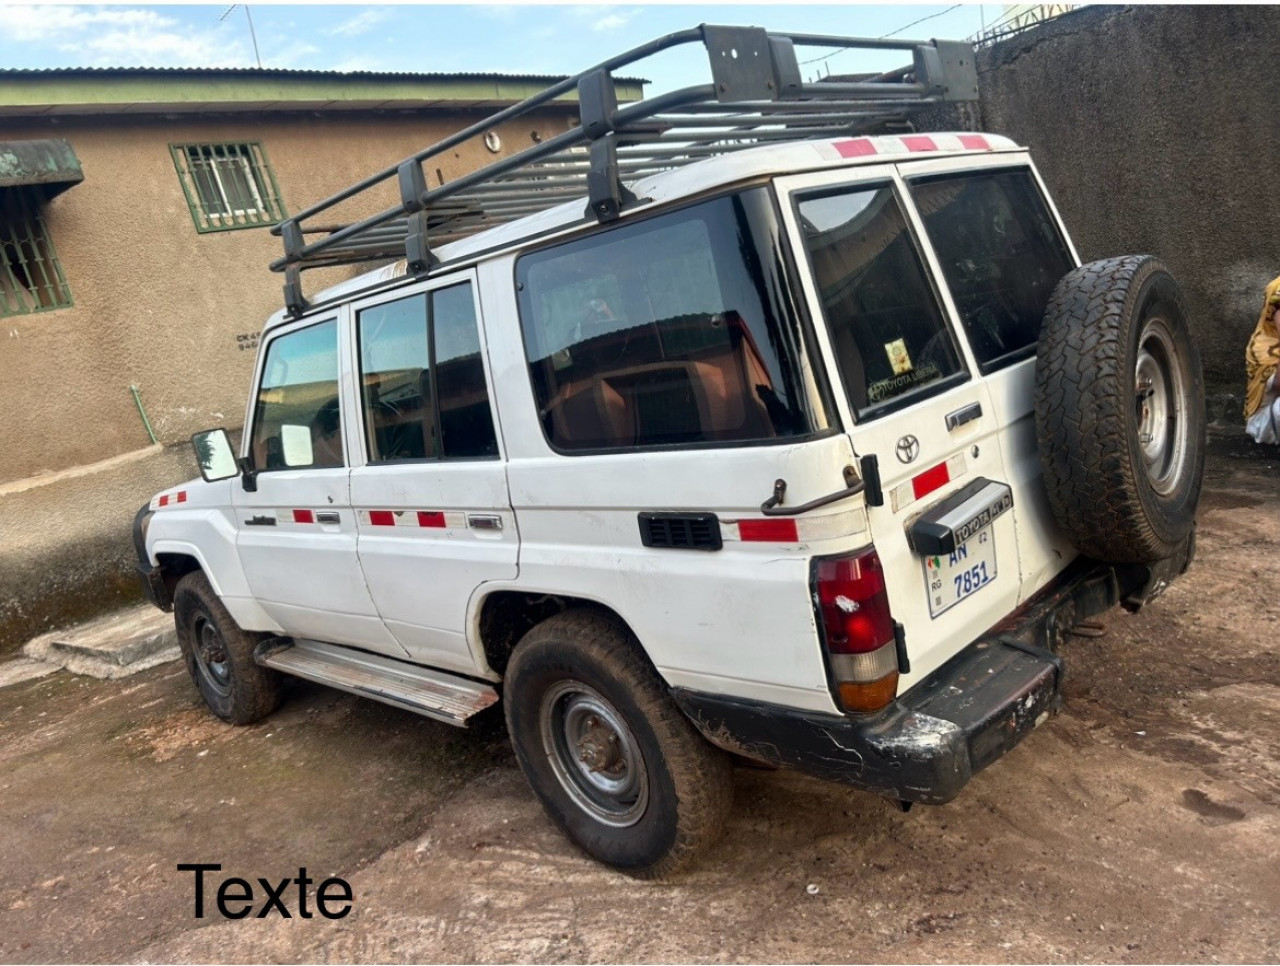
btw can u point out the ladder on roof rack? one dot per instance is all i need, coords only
(756, 96)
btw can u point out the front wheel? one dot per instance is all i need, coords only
(219, 655)
(614, 762)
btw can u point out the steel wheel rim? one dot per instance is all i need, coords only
(211, 655)
(593, 754)
(1160, 398)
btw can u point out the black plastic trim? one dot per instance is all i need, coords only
(927, 744)
(680, 525)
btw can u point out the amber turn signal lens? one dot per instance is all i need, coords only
(871, 696)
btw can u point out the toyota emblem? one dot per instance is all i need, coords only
(908, 449)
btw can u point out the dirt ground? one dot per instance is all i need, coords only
(1140, 825)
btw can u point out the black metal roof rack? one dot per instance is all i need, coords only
(756, 96)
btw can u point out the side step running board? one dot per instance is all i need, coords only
(435, 694)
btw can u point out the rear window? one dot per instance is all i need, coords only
(887, 329)
(1001, 255)
(666, 332)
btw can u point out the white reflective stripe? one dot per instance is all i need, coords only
(865, 668)
(904, 494)
(809, 528)
(409, 518)
(832, 525)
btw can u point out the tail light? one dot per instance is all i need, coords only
(857, 629)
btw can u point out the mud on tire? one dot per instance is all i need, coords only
(219, 655)
(1119, 409)
(616, 765)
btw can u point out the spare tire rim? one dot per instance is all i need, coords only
(1160, 398)
(211, 655)
(594, 754)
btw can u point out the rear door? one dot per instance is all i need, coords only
(430, 499)
(1000, 249)
(913, 399)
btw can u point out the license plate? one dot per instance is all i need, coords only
(951, 577)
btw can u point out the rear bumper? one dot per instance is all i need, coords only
(923, 748)
(928, 743)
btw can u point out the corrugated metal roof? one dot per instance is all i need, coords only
(546, 79)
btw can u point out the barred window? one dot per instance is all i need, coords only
(30, 277)
(228, 185)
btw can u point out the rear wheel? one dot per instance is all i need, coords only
(1120, 410)
(219, 655)
(614, 762)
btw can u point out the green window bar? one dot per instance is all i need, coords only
(228, 186)
(31, 278)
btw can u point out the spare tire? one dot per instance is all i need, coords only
(1120, 410)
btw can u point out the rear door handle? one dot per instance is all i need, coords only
(328, 516)
(484, 521)
(965, 415)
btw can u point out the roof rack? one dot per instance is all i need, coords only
(756, 96)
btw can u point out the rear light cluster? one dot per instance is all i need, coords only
(857, 627)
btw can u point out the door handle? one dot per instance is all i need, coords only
(484, 521)
(328, 516)
(964, 415)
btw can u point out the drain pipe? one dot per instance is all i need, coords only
(137, 397)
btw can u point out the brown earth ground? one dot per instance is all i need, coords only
(1142, 824)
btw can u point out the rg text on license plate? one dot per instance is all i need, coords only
(950, 578)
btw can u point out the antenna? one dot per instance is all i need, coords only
(252, 35)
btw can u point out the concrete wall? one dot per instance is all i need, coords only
(161, 306)
(1157, 130)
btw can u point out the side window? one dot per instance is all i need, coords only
(424, 390)
(298, 420)
(669, 331)
(1000, 254)
(887, 328)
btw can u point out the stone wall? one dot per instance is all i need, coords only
(1157, 130)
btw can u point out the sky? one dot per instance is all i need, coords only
(433, 38)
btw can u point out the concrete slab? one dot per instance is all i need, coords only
(115, 646)
(23, 669)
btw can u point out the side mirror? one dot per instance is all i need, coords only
(213, 453)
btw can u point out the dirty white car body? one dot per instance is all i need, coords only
(903, 488)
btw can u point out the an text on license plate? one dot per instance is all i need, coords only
(950, 578)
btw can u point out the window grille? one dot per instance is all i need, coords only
(228, 186)
(31, 279)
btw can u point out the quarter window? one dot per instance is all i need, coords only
(30, 277)
(674, 330)
(424, 389)
(228, 185)
(886, 326)
(1001, 255)
(298, 422)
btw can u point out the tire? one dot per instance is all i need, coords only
(219, 655)
(616, 765)
(1119, 406)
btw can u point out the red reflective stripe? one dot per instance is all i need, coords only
(382, 518)
(919, 144)
(930, 480)
(975, 142)
(769, 531)
(164, 500)
(182, 496)
(855, 149)
(430, 518)
(303, 516)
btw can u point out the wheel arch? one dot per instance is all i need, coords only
(503, 617)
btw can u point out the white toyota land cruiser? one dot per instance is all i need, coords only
(719, 425)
